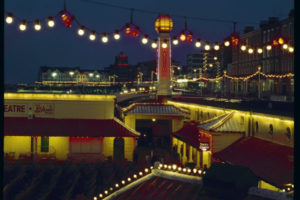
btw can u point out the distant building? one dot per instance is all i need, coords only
(71, 74)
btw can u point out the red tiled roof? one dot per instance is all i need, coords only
(162, 189)
(271, 162)
(65, 127)
(190, 134)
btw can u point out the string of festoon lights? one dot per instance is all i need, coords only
(147, 171)
(131, 29)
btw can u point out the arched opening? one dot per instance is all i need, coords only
(119, 149)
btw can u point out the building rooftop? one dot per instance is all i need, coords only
(271, 162)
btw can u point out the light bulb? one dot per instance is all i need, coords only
(250, 51)
(243, 47)
(104, 38)
(9, 19)
(37, 26)
(154, 45)
(81, 31)
(226, 43)
(269, 47)
(51, 22)
(145, 40)
(217, 47)
(175, 41)
(259, 50)
(22, 26)
(92, 36)
(198, 43)
(164, 45)
(207, 47)
(117, 35)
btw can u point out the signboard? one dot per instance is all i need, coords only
(201, 84)
(25, 110)
(204, 146)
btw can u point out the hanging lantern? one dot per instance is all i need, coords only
(280, 40)
(117, 35)
(135, 32)
(175, 41)
(182, 36)
(234, 40)
(128, 30)
(275, 43)
(163, 24)
(189, 37)
(67, 18)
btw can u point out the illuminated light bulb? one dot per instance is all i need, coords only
(37, 26)
(259, 50)
(111, 189)
(145, 39)
(199, 171)
(285, 46)
(207, 47)
(91, 74)
(81, 31)
(165, 166)
(100, 195)
(117, 185)
(291, 49)
(179, 169)
(204, 172)
(123, 182)
(154, 45)
(151, 167)
(97, 75)
(174, 167)
(243, 47)
(95, 198)
(217, 47)
(129, 179)
(227, 43)
(117, 35)
(175, 41)
(269, 47)
(182, 37)
(134, 176)
(146, 170)
(106, 192)
(189, 170)
(198, 43)
(51, 22)
(141, 173)
(210, 65)
(22, 26)
(54, 74)
(195, 170)
(71, 73)
(169, 167)
(184, 170)
(164, 45)
(160, 165)
(92, 36)
(104, 38)
(215, 58)
(9, 19)
(250, 51)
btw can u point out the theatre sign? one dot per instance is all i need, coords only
(24, 110)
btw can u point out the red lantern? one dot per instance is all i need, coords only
(135, 32)
(234, 41)
(67, 18)
(189, 37)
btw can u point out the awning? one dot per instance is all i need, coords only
(19, 126)
(271, 162)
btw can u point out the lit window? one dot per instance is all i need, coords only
(45, 144)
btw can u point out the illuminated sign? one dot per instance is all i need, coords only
(204, 146)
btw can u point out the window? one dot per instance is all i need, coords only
(271, 129)
(288, 133)
(256, 127)
(45, 144)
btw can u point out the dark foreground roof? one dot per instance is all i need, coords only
(21, 126)
(271, 162)
(162, 189)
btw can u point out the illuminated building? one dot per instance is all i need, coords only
(64, 126)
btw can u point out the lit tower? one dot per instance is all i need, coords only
(163, 25)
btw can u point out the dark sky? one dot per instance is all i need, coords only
(26, 51)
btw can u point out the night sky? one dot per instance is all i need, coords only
(25, 52)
